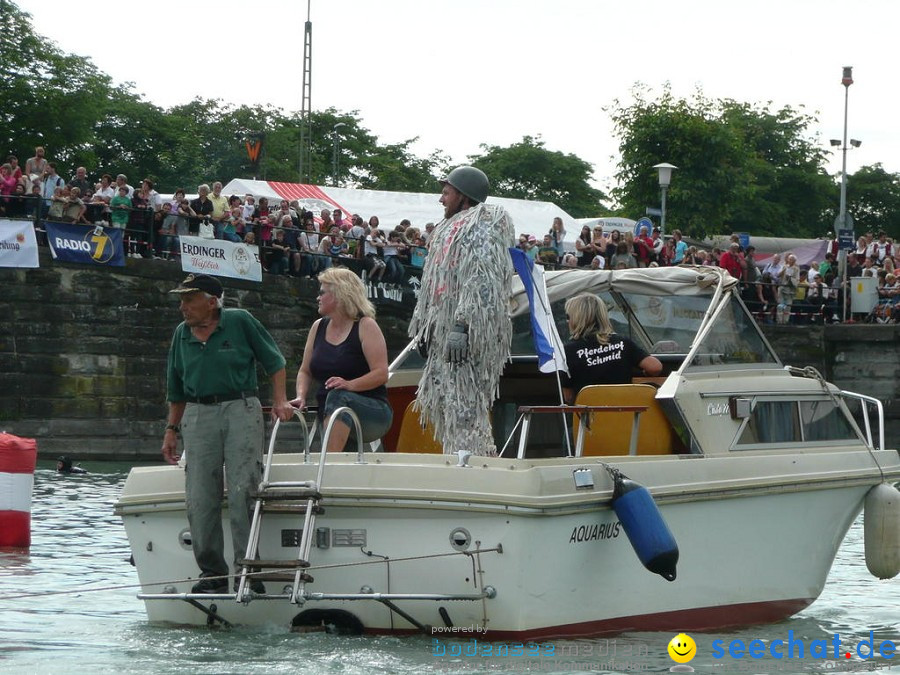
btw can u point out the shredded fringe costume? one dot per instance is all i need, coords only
(466, 280)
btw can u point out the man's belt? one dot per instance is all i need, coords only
(221, 398)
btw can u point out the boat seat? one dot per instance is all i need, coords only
(414, 437)
(610, 433)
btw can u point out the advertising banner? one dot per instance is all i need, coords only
(86, 244)
(18, 245)
(220, 258)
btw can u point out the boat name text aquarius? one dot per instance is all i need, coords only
(595, 532)
(717, 409)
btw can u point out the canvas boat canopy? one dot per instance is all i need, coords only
(660, 281)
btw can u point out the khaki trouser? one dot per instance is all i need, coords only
(223, 447)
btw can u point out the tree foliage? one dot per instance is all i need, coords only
(741, 167)
(49, 97)
(527, 170)
(873, 199)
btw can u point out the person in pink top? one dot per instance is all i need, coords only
(7, 180)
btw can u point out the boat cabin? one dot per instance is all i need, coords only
(722, 389)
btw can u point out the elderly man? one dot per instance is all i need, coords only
(81, 181)
(122, 182)
(213, 402)
(219, 208)
(462, 314)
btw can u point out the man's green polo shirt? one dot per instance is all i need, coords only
(226, 363)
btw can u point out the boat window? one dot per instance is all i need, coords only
(824, 421)
(733, 339)
(772, 422)
(784, 422)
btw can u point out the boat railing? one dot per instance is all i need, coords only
(865, 402)
(305, 439)
(360, 455)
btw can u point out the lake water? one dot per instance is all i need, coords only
(69, 606)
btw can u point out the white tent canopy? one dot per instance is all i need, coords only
(529, 217)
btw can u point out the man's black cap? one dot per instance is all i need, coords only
(200, 282)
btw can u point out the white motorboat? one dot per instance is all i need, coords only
(758, 469)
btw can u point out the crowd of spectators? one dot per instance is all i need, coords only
(292, 240)
(296, 242)
(780, 291)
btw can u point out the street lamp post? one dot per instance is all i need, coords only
(665, 177)
(846, 80)
(335, 152)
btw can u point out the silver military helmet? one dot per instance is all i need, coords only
(471, 182)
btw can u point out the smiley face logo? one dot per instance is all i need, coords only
(682, 648)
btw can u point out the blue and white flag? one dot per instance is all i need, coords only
(547, 343)
(89, 244)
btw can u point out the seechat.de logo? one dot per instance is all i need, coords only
(682, 649)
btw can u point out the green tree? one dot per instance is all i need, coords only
(873, 199)
(742, 167)
(527, 170)
(50, 98)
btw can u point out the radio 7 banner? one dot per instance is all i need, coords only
(86, 244)
(18, 245)
(220, 257)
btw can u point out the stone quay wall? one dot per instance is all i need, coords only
(83, 351)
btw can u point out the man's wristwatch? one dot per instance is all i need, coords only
(173, 427)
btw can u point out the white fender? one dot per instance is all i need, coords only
(882, 531)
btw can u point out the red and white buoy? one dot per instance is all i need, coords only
(17, 459)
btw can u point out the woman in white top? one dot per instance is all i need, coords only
(372, 262)
(557, 235)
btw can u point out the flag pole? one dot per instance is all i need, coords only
(557, 349)
(565, 421)
(543, 327)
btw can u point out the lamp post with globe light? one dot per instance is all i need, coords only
(665, 177)
(846, 80)
(844, 223)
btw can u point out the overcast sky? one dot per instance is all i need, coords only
(459, 73)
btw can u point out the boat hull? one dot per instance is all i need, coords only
(554, 557)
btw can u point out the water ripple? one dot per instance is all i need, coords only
(78, 544)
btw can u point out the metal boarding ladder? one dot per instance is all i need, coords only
(290, 497)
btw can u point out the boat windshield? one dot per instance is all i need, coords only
(672, 322)
(668, 325)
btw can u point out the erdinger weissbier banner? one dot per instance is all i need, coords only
(86, 244)
(220, 258)
(18, 245)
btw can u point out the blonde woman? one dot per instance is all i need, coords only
(346, 354)
(557, 235)
(596, 355)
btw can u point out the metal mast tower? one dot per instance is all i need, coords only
(306, 102)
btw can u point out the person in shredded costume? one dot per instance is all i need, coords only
(462, 314)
